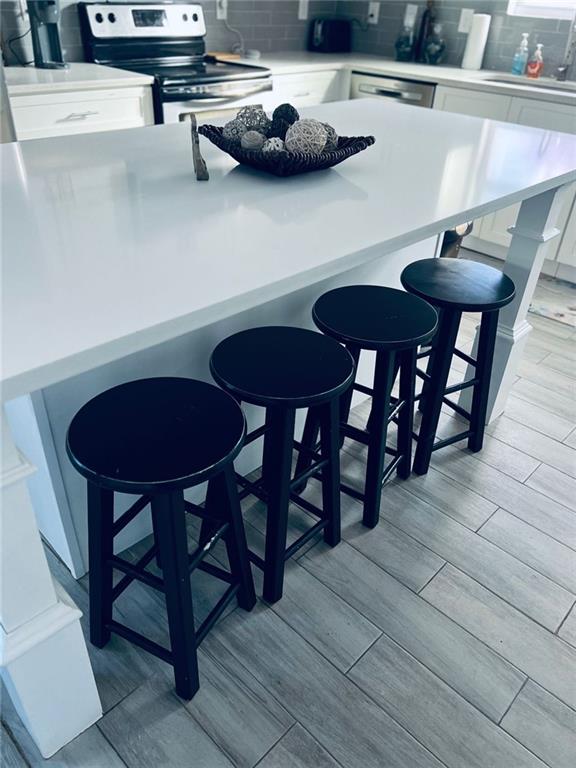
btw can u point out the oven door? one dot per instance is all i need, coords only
(212, 105)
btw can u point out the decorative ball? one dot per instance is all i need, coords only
(234, 130)
(331, 138)
(273, 145)
(278, 128)
(286, 112)
(254, 118)
(306, 136)
(253, 140)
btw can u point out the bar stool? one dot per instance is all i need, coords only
(393, 324)
(456, 286)
(157, 437)
(283, 369)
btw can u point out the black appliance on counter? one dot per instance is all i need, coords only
(328, 35)
(166, 40)
(44, 16)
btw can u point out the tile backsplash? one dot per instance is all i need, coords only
(503, 39)
(273, 25)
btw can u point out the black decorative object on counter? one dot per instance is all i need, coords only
(287, 163)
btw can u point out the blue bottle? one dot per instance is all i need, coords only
(520, 59)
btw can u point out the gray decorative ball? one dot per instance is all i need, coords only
(286, 112)
(306, 136)
(331, 138)
(254, 118)
(234, 130)
(279, 128)
(253, 140)
(273, 145)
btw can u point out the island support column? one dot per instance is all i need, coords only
(534, 229)
(43, 657)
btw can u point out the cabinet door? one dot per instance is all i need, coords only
(476, 103)
(536, 114)
(62, 114)
(309, 88)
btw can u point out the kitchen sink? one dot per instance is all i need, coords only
(545, 82)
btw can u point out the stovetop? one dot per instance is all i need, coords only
(206, 70)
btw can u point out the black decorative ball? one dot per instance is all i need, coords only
(286, 112)
(278, 128)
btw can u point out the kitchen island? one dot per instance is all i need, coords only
(117, 264)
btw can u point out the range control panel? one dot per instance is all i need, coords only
(163, 20)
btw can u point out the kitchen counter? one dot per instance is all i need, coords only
(27, 81)
(118, 264)
(290, 63)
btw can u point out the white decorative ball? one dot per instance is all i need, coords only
(331, 137)
(273, 145)
(306, 136)
(254, 118)
(234, 130)
(253, 140)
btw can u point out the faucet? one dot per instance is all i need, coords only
(562, 70)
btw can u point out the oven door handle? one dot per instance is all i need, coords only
(174, 94)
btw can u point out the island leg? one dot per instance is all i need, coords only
(533, 231)
(43, 657)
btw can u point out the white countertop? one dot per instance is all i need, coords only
(79, 76)
(110, 245)
(288, 63)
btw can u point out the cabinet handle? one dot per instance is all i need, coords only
(78, 116)
(302, 94)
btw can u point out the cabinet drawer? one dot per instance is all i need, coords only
(67, 113)
(304, 90)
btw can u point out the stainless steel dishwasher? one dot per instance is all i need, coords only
(403, 91)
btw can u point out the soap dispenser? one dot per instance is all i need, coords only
(536, 63)
(520, 59)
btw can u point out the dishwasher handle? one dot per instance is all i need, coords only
(392, 93)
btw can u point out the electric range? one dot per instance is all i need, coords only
(166, 41)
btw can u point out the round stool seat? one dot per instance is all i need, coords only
(279, 365)
(459, 284)
(155, 435)
(375, 317)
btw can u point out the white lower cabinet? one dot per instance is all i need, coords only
(491, 232)
(64, 113)
(310, 88)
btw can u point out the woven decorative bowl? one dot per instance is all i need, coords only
(287, 163)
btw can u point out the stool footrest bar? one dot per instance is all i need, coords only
(465, 357)
(137, 573)
(307, 506)
(256, 559)
(423, 375)
(459, 387)
(313, 453)
(218, 573)
(130, 514)
(350, 491)
(360, 435)
(365, 390)
(310, 533)
(312, 470)
(390, 469)
(255, 434)
(141, 641)
(127, 580)
(457, 408)
(451, 440)
(194, 509)
(196, 557)
(425, 353)
(215, 613)
(396, 410)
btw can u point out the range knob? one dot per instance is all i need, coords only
(99, 18)
(111, 18)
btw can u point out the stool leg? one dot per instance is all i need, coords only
(346, 398)
(439, 370)
(370, 421)
(383, 383)
(330, 447)
(155, 532)
(309, 440)
(100, 550)
(484, 358)
(222, 497)
(278, 443)
(429, 366)
(170, 516)
(406, 415)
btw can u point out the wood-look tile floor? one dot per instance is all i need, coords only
(445, 637)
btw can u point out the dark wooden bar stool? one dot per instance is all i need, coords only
(393, 324)
(282, 369)
(455, 286)
(157, 437)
